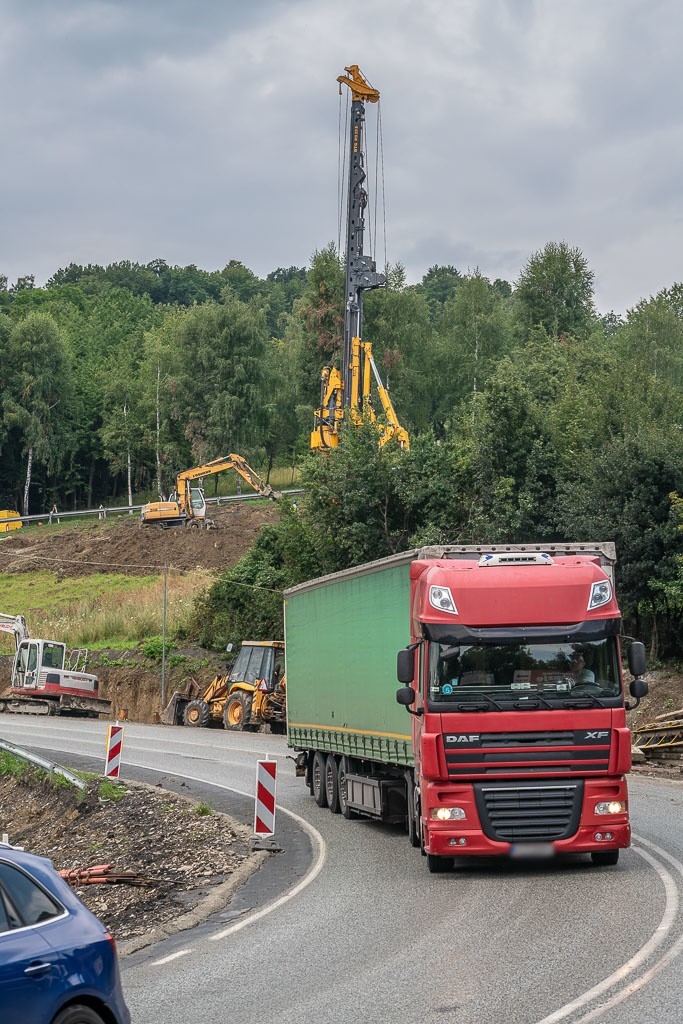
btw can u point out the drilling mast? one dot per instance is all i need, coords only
(347, 393)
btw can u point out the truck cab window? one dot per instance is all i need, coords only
(554, 670)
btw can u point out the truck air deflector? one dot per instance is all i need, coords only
(591, 629)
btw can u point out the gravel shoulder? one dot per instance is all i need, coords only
(187, 858)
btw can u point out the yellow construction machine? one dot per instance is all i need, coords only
(346, 392)
(187, 506)
(251, 692)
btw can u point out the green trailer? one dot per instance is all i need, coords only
(342, 634)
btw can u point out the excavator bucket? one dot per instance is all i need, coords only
(173, 712)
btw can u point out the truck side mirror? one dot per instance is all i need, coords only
(637, 661)
(639, 688)
(405, 667)
(405, 695)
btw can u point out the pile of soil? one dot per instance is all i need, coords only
(123, 546)
(188, 862)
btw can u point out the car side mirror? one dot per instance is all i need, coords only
(637, 661)
(405, 667)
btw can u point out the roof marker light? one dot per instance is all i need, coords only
(516, 558)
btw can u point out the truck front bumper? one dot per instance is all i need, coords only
(467, 837)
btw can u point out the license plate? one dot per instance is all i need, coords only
(536, 850)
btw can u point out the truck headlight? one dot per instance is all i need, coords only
(610, 807)
(601, 593)
(448, 813)
(442, 599)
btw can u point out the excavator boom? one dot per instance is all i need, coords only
(186, 507)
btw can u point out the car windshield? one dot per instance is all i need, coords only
(502, 672)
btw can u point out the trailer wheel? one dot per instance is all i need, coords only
(318, 778)
(605, 858)
(197, 714)
(342, 787)
(237, 711)
(332, 783)
(438, 865)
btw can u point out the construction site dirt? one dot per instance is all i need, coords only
(183, 859)
(123, 546)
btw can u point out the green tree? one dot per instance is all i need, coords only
(36, 400)
(555, 291)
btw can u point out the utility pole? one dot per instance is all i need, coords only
(163, 642)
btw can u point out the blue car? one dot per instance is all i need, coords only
(58, 963)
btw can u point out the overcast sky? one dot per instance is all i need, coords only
(205, 131)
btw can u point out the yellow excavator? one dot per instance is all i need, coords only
(252, 691)
(186, 506)
(345, 393)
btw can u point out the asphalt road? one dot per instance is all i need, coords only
(348, 926)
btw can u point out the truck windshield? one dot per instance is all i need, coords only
(510, 672)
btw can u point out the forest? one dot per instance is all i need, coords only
(532, 416)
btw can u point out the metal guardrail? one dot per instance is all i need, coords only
(43, 762)
(123, 509)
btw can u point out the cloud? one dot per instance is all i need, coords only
(209, 132)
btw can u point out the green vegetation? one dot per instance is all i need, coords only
(203, 808)
(100, 610)
(110, 790)
(532, 417)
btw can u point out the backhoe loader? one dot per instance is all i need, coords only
(187, 506)
(251, 692)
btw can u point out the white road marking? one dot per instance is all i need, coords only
(316, 839)
(173, 956)
(640, 957)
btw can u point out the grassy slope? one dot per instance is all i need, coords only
(103, 610)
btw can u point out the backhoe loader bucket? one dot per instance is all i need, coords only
(173, 712)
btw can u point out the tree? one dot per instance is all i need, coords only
(36, 400)
(555, 291)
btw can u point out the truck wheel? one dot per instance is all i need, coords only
(3, 706)
(318, 777)
(412, 813)
(342, 788)
(332, 783)
(438, 865)
(605, 858)
(197, 714)
(237, 711)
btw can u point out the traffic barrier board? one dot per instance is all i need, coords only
(113, 755)
(264, 811)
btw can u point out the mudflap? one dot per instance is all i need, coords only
(173, 712)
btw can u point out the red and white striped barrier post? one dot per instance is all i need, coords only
(264, 809)
(113, 756)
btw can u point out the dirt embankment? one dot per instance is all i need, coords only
(122, 546)
(129, 679)
(186, 859)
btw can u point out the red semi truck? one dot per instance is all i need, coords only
(516, 744)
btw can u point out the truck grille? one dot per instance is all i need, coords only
(513, 813)
(577, 752)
